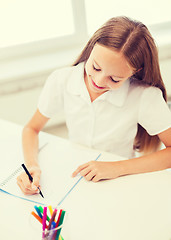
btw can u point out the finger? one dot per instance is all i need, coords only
(95, 179)
(26, 191)
(85, 171)
(90, 176)
(21, 185)
(25, 180)
(79, 169)
(34, 187)
(26, 186)
(36, 180)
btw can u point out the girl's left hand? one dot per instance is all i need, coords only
(95, 171)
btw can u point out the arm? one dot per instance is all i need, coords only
(156, 161)
(30, 151)
(159, 160)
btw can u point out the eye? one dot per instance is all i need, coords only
(113, 80)
(96, 69)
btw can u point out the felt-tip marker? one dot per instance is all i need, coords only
(30, 177)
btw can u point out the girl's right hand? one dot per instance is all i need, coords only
(27, 187)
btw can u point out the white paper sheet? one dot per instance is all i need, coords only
(58, 159)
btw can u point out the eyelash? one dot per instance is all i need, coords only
(114, 80)
(96, 68)
(110, 77)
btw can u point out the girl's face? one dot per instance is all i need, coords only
(105, 70)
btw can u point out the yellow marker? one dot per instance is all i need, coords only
(50, 210)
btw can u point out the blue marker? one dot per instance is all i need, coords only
(38, 211)
(53, 224)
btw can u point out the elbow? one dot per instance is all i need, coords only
(27, 130)
(168, 157)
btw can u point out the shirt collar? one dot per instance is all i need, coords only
(118, 96)
(76, 86)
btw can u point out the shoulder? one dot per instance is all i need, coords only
(61, 75)
(144, 91)
(154, 114)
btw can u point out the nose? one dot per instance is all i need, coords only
(100, 79)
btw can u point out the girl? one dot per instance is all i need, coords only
(114, 100)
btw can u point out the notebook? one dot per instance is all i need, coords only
(58, 159)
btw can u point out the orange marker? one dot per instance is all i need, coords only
(37, 217)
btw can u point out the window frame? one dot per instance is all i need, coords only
(79, 37)
(45, 55)
(56, 43)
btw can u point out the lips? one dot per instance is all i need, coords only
(96, 85)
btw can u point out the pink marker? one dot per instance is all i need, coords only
(44, 220)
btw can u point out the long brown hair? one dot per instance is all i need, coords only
(134, 40)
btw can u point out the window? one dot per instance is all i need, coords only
(23, 21)
(40, 35)
(149, 12)
(31, 26)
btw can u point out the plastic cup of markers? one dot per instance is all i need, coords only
(53, 234)
(57, 233)
(56, 227)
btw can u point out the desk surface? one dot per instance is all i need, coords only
(135, 207)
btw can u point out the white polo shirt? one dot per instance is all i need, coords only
(110, 122)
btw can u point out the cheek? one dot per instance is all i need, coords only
(88, 69)
(114, 85)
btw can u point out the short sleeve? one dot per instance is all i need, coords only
(51, 98)
(154, 113)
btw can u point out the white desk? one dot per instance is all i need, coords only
(136, 207)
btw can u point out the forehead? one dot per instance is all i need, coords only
(110, 61)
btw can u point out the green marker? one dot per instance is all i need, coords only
(60, 223)
(41, 210)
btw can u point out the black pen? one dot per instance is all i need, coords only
(30, 177)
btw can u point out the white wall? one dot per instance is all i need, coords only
(19, 105)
